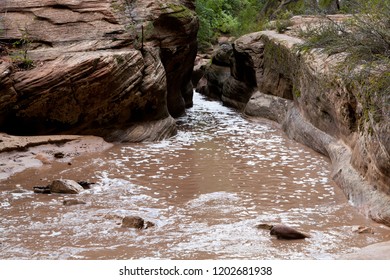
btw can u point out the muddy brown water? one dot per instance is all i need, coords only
(205, 189)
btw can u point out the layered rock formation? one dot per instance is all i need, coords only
(229, 76)
(305, 93)
(115, 68)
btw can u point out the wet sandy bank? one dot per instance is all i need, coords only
(18, 153)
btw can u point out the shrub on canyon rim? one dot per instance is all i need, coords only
(365, 39)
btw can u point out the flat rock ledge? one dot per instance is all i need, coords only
(145, 132)
(18, 153)
(378, 251)
(14, 143)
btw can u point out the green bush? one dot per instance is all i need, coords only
(238, 17)
(281, 23)
(366, 37)
(365, 40)
(20, 57)
(226, 17)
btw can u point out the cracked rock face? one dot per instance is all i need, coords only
(99, 67)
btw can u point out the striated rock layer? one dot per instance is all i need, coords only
(305, 93)
(114, 68)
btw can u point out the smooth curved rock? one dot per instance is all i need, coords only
(65, 186)
(75, 92)
(288, 233)
(283, 232)
(371, 201)
(146, 132)
(299, 129)
(267, 106)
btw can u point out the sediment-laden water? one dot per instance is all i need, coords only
(205, 189)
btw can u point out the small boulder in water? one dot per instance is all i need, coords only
(283, 232)
(136, 222)
(133, 222)
(65, 186)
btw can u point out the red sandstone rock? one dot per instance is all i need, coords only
(95, 73)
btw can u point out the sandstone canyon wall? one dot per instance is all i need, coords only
(119, 69)
(304, 92)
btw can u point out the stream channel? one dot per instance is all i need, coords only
(205, 189)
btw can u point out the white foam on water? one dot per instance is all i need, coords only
(205, 189)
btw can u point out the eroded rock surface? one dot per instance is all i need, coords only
(304, 93)
(99, 67)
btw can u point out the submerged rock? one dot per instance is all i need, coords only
(133, 222)
(70, 202)
(283, 232)
(65, 186)
(136, 222)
